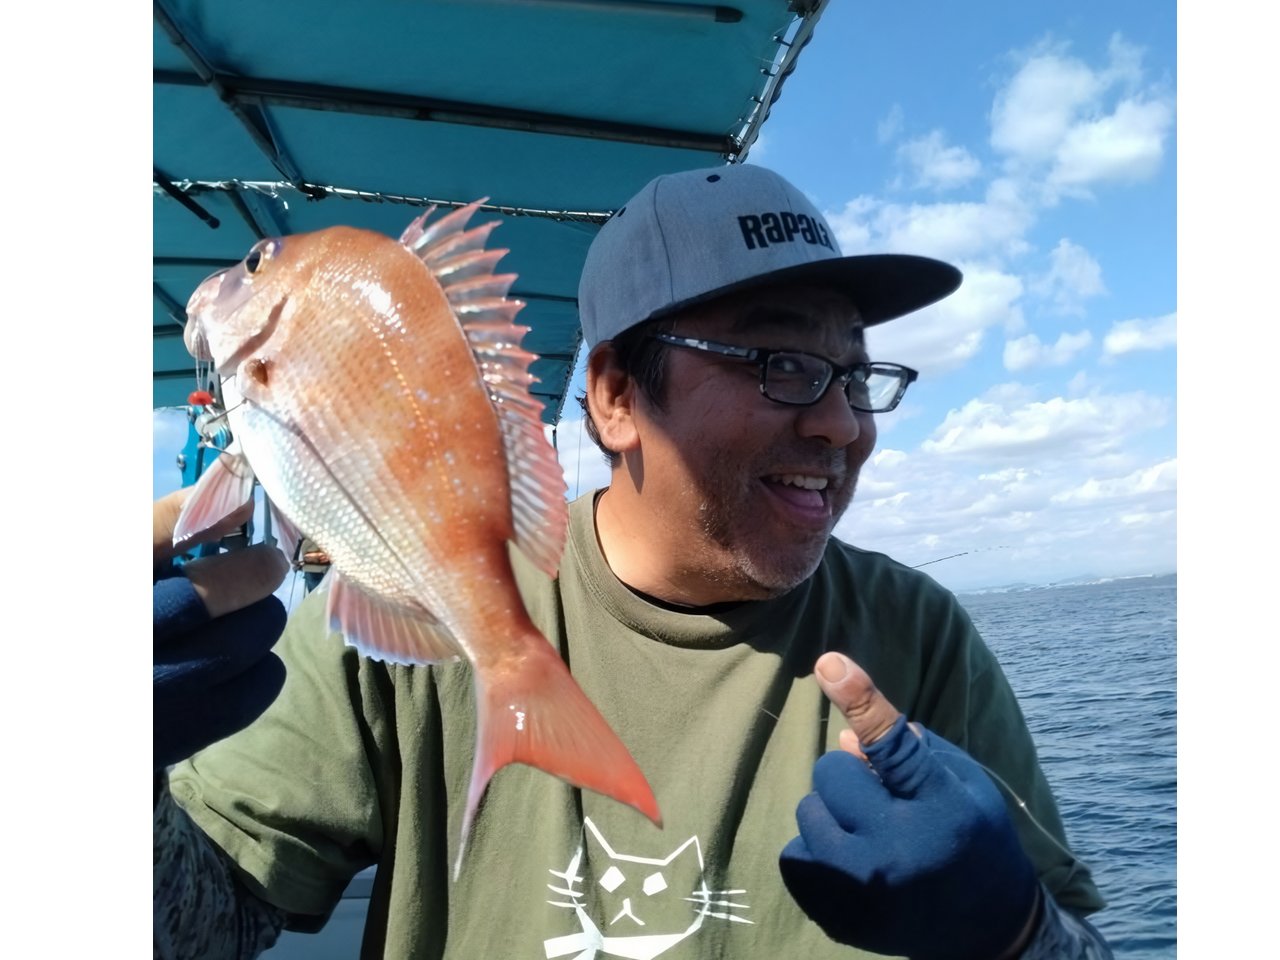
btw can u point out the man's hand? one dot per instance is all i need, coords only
(215, 621)
(905, 846)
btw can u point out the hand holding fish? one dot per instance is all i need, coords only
(905, 845)
(215, 621)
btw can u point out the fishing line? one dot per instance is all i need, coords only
(293, 585)
(1023, 807)
(208, 432)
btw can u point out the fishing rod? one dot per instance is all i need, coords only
(965, 553)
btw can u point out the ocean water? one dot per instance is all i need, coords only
(1094, 667)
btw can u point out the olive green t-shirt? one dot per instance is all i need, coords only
(360, 762)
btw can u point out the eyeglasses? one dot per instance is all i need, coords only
(802, 379)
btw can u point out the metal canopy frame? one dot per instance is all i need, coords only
(558, 110)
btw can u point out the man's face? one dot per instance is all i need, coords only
(757, 484)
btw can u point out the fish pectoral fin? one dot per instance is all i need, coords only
(224, 487)
(386, 631)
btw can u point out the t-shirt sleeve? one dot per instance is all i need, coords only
(293, 799)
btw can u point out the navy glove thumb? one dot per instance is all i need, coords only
(210, 677)
(914, 855)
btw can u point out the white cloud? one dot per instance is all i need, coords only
(1125, 67)
(993, 426)
(1033, 113)
(937, 166)
(1161, 477)
(973, 526)
(889, 458)
(1074, 126)
(886, 501)
(948, 334)
(876, 482)
(1028, 351)
(1080, 383)
(1008, 477)
(1130, 335)
(1127, 145)
(890, 128)
(1147, 518)
(948, 231)
(1074, 276)
(853, 225)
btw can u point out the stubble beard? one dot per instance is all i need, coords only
(752, 562)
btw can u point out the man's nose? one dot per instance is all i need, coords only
(831, 418)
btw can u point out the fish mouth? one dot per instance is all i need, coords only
(196, 342)
(204, 298)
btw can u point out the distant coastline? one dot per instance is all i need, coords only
(1082, 581)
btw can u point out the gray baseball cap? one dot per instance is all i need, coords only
(698, 234)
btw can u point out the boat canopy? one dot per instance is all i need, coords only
(286, 117)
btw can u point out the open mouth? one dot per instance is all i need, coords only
(799, 480)
(807, 493)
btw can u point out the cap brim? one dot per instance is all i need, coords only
(882, 286)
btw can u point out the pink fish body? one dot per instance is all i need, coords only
(379, 393)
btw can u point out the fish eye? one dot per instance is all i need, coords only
(262, 251)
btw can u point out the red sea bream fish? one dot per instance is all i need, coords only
(379, 393)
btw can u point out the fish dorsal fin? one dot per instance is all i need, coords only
(458, 260)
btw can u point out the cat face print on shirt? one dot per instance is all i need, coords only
(631, 906)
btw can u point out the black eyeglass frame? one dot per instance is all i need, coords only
(903, 374)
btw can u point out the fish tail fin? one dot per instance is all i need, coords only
(539, 716)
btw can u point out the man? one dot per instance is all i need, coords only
(699, 599)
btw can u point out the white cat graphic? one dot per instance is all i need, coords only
(626, 896)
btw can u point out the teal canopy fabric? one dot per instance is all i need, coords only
(290, 116)
(280, 118)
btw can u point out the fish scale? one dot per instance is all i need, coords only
(381, 397)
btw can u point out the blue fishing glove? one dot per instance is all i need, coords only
(210, 677)
(918, 858)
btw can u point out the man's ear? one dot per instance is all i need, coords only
(611, 396)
